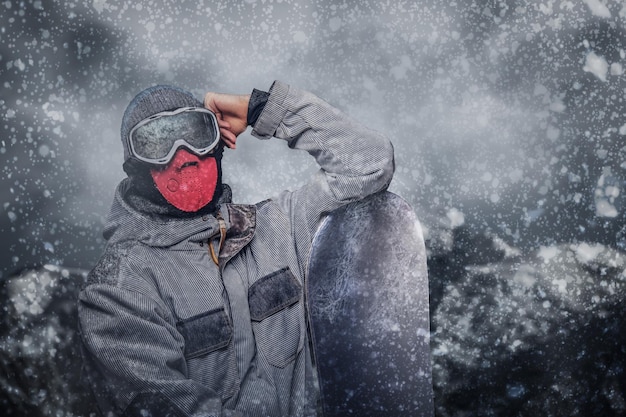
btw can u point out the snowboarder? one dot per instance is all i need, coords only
(196, 306)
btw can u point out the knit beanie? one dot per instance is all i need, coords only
(151, 101)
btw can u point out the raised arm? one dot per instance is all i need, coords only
(355, 161)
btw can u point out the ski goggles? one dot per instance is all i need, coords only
(157, 138)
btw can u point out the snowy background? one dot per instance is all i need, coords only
(508, 120)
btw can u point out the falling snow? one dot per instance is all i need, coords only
(508, 121)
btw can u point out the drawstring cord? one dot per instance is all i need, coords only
(222, 237)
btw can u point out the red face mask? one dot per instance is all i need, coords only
(188, 182)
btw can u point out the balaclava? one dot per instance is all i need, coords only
(188, 185)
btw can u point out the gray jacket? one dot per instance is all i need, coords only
(166, 331)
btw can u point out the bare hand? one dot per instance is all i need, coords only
(232, 114)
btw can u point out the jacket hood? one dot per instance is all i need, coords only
(125, 223)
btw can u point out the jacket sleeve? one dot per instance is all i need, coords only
(134, 354)
(354, 161)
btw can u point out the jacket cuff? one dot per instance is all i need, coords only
(273, 112)
(257, 102)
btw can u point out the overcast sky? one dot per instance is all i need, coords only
(505, 116)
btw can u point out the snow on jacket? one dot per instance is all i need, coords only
(166, 331)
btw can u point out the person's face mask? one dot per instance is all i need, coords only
(188, 181)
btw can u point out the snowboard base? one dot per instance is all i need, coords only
(367, 294)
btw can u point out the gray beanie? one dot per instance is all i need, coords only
(151, 101)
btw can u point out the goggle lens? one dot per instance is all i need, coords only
(156, 139)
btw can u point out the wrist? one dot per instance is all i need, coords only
(256, 104)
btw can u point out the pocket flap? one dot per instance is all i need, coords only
(205, 332)
(272, 293)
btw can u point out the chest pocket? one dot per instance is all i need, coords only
(205, 332)
(277, 316)
(209, 352)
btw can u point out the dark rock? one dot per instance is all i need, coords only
(40, 357)
(533, 335)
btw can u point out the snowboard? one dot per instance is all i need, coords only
(367, 298)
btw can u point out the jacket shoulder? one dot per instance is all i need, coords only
(107, 269)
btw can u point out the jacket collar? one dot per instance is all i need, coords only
(242, 224)
(125, 223)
